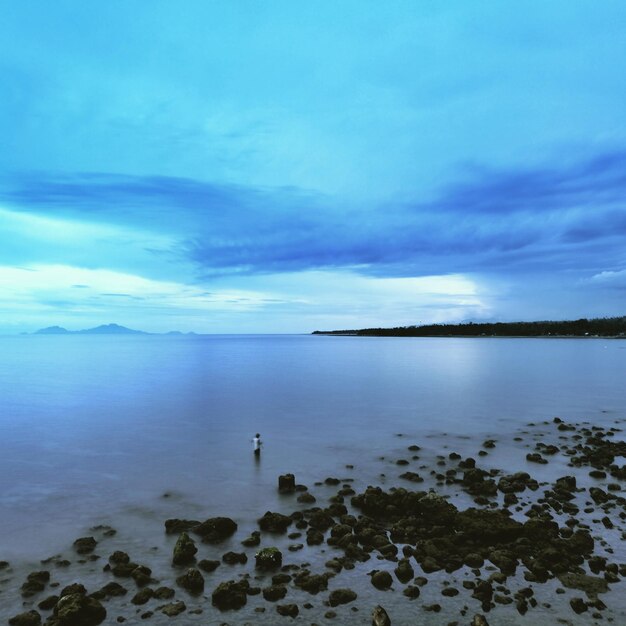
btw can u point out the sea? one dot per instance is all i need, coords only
(128, 431)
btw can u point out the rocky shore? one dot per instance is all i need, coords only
(445, 539)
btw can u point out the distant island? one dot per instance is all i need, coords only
(599, 327)
(104, 329)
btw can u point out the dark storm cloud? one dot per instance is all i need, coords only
(550, 218)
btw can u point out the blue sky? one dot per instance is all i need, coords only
(289, 166)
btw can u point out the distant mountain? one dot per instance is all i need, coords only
(52, 330)
(112, 329)
(105, 329)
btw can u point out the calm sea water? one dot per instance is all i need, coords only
(97, 429)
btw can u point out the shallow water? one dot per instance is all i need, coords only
(97, 429)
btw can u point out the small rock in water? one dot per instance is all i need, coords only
(380, 617)
(30, 618)
(85, 545)
(381, 580)
(184, 550)
(192, 581)
(288, 610)
(286, 483)
(173, 608)
(269, 558)
(77, 608)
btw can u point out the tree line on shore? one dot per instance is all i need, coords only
(598, 327)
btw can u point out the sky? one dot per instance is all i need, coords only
(240, 166)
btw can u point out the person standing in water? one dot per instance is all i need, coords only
(257, 444)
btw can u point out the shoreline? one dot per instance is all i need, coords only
(342, 334)
(431, 555)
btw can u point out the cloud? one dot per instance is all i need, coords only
(609, 279)
(544, 218)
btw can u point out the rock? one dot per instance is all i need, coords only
(281, 579)
(207, 565)
(591, 585)
(274, 593)
(85, 545)
(141, 575)
(49, 603)
(483, 592)
(306, 498)
(232, 558)
(412, 476)
(174, 608)
(274, 522)
(141, 597)
(268, 558)
(112, 590)
(321, 520)
(184, 550)
(72, 589)
(449, 592)
(30, 618)
(230, 595)
(578, 605)
(412, 592)
(253, 540)
(216, 529)
(164, 593)
(288, 610)
(192, 581)
(341, 596)
(380, 617)
(314, 537)
(473, 560)
(535, 457)
(312, 583)
(77, 609)
(286, 483)
(479, 620)
(177, 526)
(35, 582)
(119, 557)
(404, 572)
(381, 579)
(567, 483)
